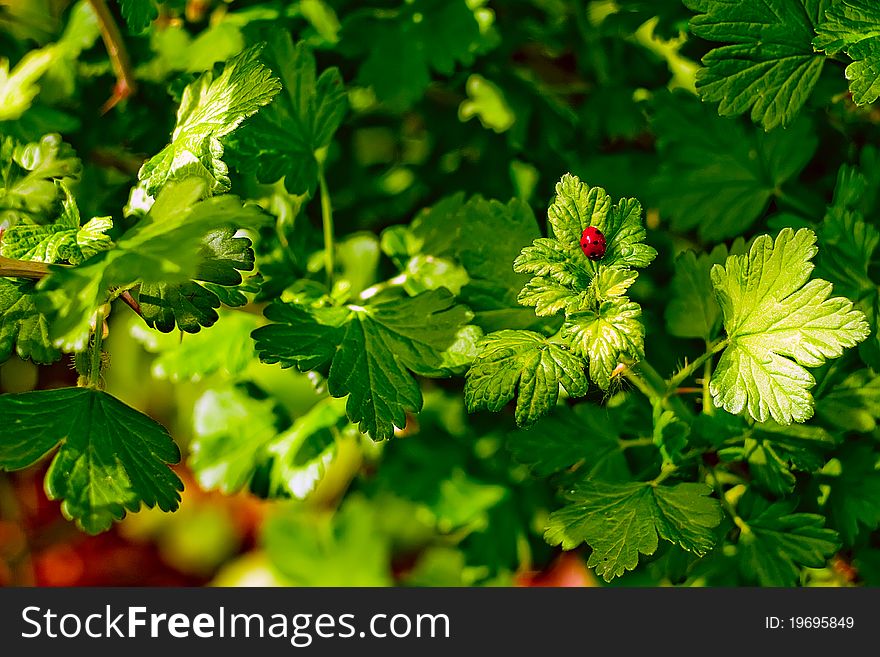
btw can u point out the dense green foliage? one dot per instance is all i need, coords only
(347, 233)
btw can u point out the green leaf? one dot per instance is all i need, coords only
(370, 351)
(403, 48)
(773, 452)
(693, 311)
(527, 365)
(848, 245)
(469, 245)
(852, 404)
(18, 86)
(138, 14)
(165, 246)
(567, 437)
(111, 458)
(29, 174)
(620, 521)
(775, 542)
(718, 176)
(853, 26)
(237, 436)
(284, 138)
(191, 305)
(63, 240)
(321, 549)
(853, 501)
(22, 326)
(564, 279)
(210, 109)
(606, 336)
(778, 324)
(768, 64)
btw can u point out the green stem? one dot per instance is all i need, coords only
(634, 442)
(327, 220)
(716, 485)
(689, 369)
(708, 406)
(642, 385)
(95, 362)
(665, 472)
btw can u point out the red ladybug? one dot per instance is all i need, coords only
(593, 243)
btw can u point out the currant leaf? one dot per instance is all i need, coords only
(402, 49)
(716, 175)
(693, 311)
(775, 541)
(562, 275)
(778, 324)
(138, 14)
(22, 327)
(63, 240)
(368, 351)
(29, 174)
(110, 458)
(853, 490)
(210, 109)
(527, 365)
(164, 247)
(283, 139)
(853, 27)
(191, 305)
(607, 335)
(768, 65)
(621, 521)
(585, 435)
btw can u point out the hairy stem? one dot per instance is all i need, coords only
(692, 367)
(125, 84)
(95, 352)
(23, 268)
(327, 220)
(708, 406)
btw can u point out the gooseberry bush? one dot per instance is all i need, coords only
(460, 284)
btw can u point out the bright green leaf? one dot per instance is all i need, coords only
(778, 324)
(527, 365)
(210, 110)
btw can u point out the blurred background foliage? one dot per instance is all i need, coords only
(495, 98)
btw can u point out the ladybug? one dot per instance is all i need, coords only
(593, 243)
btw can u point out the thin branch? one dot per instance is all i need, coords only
(23, 268)
(125, 84)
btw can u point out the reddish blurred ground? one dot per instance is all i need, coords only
(40, 548)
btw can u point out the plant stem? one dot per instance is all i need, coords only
(125, 84)
(689, 369)
(708, 406)
(23, 268)
(327, 220)
(716, 485)
(94, 379)
(665, 472)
